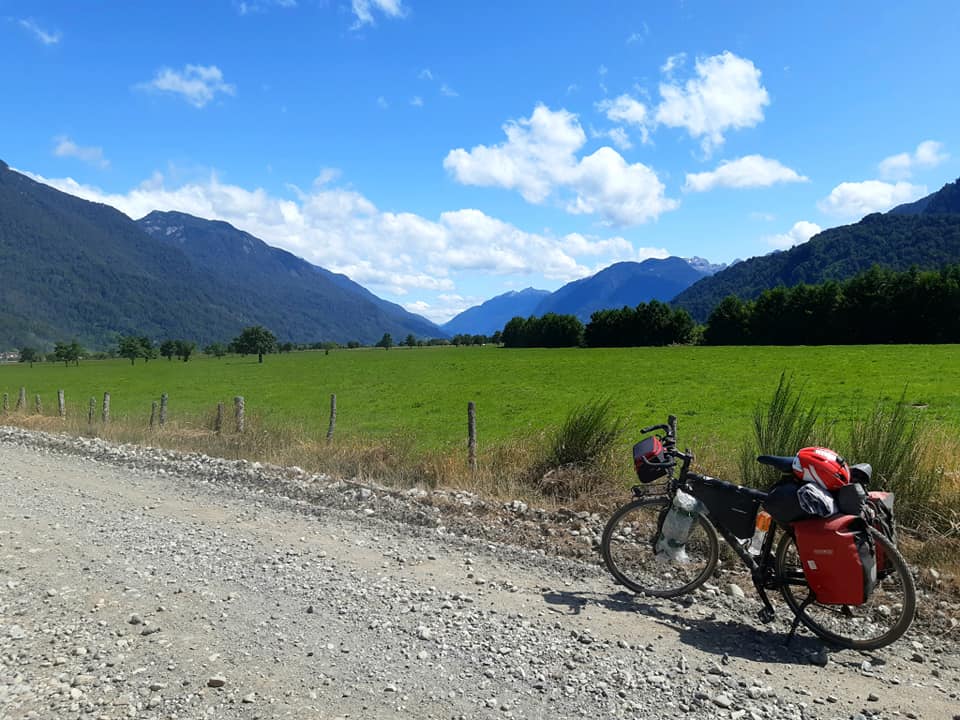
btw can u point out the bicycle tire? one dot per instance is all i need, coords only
(815, 616)
(626, 554)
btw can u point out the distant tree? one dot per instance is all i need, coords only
(68, 352)
(353, 344)
(184, 349)
(285, 347)
(129, 347)
(29, 355)
(168, 348)
(386, 342)
(256, 339)
(218, 350)
(148, 351)
(497, 337)
(411, 341)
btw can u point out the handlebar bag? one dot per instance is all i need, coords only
(731, 506)
(651, 450)
(838, 558)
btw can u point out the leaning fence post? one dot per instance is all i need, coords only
(153, 414)
(163, 409)
(472, 435)
(238, 412)
(22, 399)
(218, 422)
(6, 403)
(61, 404)
(91, 411)
(333, 417)
(106, 408)
(39, 405)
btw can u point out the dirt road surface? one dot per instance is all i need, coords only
(129, 589)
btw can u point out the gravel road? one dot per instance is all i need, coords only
(143, 583)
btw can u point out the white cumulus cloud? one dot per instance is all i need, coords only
(853, 200)
(725, 94)
(398, 253)
(197, 84)
(539, 160)
(799, 233)
(65, 147)
(750, 171)
(928, 154)
(627, 110)
(44, 36)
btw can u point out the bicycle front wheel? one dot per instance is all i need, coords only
(629, 550)
(878, 622)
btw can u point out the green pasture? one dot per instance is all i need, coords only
(422, 393)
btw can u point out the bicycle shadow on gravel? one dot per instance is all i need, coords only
(727, 637)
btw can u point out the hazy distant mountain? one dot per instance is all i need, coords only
(625, 283)
(496, 312)
(76, 269)
(924, 233)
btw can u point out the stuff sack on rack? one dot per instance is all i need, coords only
(838, 558)
(675, 528)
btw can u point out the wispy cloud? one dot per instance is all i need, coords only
(364, 10)
(65, 147)
(47, 38)
(425, 74)
(248, 7)
(416, 101)
(448, 91)
(382, 102)
(197, 84)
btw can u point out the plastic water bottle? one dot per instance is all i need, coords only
(760, 533)
(671, 544)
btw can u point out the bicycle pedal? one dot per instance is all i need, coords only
(766, 615)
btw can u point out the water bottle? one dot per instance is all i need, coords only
(760, 533)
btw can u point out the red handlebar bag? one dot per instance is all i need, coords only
(838, 557)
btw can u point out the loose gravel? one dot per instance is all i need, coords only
(137, 582)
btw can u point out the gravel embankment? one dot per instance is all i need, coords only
(143, 583)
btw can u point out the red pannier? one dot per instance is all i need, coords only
(838, 558)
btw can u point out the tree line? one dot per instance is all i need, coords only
(876, 306)
(652, 323)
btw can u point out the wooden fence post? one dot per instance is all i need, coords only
(39, 405)
(6, 403)
(163, 409)
(61, 404)
(106, 408)
(153, 414)
(238, 411)
(218, 421)
(472, 435)
(22, 399)
(91, 411)
(333, 417)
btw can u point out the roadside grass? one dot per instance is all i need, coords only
(402, 415)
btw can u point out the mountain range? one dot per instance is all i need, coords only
(74, 269)
(924, 234)
(77, 269)
(621, 284)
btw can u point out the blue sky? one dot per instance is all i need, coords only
(441, 153)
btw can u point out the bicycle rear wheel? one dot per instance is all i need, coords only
(878, 622)
(629, 550)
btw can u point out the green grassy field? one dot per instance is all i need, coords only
(423, 392)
